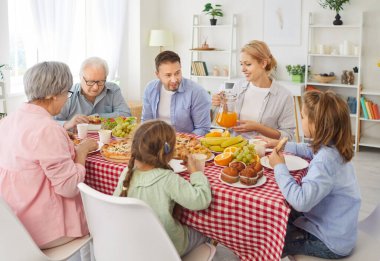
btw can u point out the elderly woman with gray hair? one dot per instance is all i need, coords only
(39, 166)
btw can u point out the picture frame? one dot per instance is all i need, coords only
(282, 22)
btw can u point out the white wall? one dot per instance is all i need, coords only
(178, 17)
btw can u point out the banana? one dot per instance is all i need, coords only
(232, 141)
(241, 144)
(213, 140)
(216, 148)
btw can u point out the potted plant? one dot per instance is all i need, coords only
(336, 5)
(297, 72)
(2, 67)
(216, 10)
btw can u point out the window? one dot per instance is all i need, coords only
(68, 31)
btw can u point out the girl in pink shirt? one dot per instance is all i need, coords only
(39, 166)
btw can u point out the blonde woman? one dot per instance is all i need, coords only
(263, 105)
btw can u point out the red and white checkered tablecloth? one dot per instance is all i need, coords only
(252, 222)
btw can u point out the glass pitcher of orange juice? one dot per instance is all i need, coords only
(227, 115)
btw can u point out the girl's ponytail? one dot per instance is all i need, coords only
(128, 177)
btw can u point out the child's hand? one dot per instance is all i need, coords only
(276, 158)
(271, 143)
(191, 165)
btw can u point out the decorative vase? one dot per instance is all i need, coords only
(213, 21)
(337, 20)
(297, 78)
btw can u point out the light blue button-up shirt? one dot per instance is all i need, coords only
(328, 196)
(189, 109)
(109, 103)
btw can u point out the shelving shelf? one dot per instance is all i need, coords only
(357, 26)
(370, 142)
(333, 55)
(223, 39)
(337, 61)
(337, 85)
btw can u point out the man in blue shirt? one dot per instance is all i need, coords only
(179, 101)
(93, 95)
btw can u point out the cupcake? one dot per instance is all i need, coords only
(248, 176)
(230, 175)
(237, 165)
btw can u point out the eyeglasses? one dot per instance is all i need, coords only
(92, 83)
(69, 93)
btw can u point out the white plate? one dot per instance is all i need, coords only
(100, 145)
(177, 166)
(212, 156)
(260, 182)
(94, 127)
(291, 161)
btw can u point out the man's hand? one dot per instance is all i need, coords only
(78, 118)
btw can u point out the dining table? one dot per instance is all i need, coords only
(251, 221)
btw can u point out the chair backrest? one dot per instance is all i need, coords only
(125, 228)
(15, 242)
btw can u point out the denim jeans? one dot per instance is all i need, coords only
(301, 242)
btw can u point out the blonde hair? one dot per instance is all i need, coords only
(259, 51)
(331, 118)
(153, 144)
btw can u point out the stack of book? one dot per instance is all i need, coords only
(370, 109)
(199, 68)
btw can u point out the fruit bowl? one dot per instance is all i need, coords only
(324, 79)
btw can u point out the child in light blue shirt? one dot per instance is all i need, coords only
(326, 204)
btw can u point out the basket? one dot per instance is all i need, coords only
(324, 79)
(136, 109)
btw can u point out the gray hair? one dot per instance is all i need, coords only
(94, 62)
(47, 79)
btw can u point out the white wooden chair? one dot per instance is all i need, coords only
(127, 229)
(17, 245)
(368, 243)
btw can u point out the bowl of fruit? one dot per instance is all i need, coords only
(325, 77)
(124, 127)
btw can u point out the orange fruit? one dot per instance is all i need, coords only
(231, 149)
(213, 134)
(223, 159)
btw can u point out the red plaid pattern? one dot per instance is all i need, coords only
(252, 222)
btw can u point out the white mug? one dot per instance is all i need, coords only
(104, 136)
(82, 130)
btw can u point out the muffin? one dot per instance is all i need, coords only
(229, 175)
(237, 165)
(256, 166)
(248, 176)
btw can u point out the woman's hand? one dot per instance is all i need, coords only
(271, 143)
(246, 126)
(276, 158)
(78, 118)
(88, 145)
(216, 99)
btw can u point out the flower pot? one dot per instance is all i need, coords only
(297, 78)
(337, 20)
(213, 21)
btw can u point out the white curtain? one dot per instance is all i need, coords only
(54, 23)
(105, 25)
(72, 30)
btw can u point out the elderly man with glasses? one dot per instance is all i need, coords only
(93, 96)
